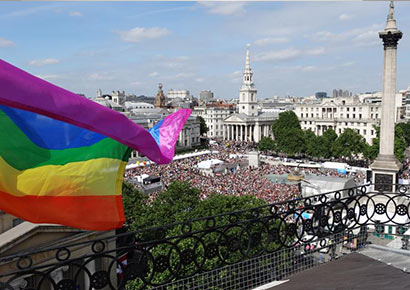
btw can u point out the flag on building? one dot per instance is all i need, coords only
(62, 156)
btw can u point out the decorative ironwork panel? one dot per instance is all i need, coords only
(383, 182)
(218, 249)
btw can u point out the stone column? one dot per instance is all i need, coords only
(236, 133)
(257, 132)
(246, 132)
(386, 166)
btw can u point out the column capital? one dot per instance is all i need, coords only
(390, 39)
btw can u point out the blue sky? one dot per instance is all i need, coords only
(297, 48)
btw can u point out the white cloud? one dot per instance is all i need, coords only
(344, 17)
(284, 54)
(75, 14)
(136, 84)
(309, 68)
(365, 36)
(271, 40)
(50, 77)
(6, 42)
(236, 76)
(42, 62)
(287, 54)
(316, 51)
(101, 77)
(138, 34)
(153, 74)
(180, 76)
(224, 8)
(200, 80)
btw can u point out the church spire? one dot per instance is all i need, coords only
(247, 93)
(248, 58)
(247, 74)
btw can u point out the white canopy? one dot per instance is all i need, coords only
(207, 164)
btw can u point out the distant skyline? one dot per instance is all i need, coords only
(297, 48)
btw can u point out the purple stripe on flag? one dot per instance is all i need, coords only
(22, 90)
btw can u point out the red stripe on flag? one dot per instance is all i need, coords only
(97, 213)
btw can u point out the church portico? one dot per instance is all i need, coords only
(246, 131)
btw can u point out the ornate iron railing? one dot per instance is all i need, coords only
(271, 237)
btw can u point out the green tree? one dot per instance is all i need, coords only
(286, 121)
(372, 151)
(134, 203)
(291, 141)
(315, 147)
(329, 138)
(349, 144)
(405, 127)
(266, 144)
(400, 143)
(203, 128)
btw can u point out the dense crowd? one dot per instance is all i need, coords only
(243, 180)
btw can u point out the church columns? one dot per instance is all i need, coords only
(223, 132)
(237, 132)
(257, 133)
(246, 132)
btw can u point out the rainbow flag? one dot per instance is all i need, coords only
(62, 157)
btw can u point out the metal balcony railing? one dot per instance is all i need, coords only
(236, 250)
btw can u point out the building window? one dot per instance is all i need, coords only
(354, 109)
(354, 116)
(372, 132)
(364, 132)
(377, 116)
(347, 109)
(340, 131)
(243, 107)
(312, 115)
(360, 116)
(348, 116)
(341, 115)
(252, 107)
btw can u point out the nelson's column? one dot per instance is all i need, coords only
(386, 166)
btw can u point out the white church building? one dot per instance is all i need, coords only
(249, 124)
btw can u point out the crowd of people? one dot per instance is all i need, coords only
(241, 180)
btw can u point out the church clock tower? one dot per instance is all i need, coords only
(247, 94)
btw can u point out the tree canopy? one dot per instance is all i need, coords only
(266, 144)
(203, 128)
(286, 121)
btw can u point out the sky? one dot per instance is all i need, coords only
(297, 48)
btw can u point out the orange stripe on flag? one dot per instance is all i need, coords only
(98, 213)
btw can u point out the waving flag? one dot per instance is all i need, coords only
(62, 157)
